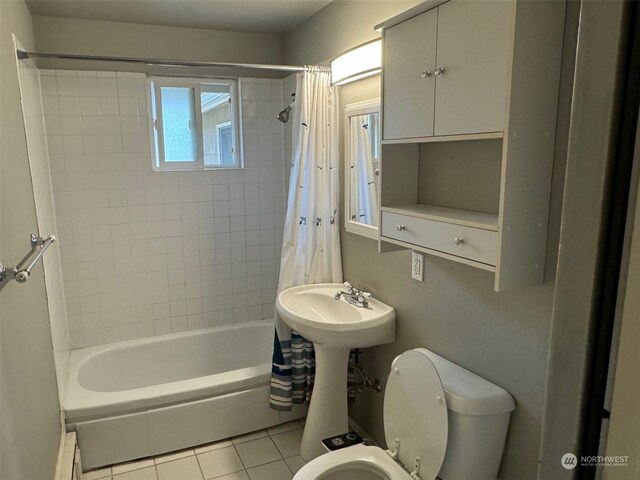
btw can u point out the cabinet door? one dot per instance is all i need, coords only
(409, 85)
(474, 39)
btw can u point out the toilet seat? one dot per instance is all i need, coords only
(362, 457)
(415, 414)
(415, 424)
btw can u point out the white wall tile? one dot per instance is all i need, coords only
(199, 248)
(68, 106)
(107, 87)
(49, 85)
(88, 86)
(50, 104)
(67, 85)
(109, 105)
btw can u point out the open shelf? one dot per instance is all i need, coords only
(485, 221)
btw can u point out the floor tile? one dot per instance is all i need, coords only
(271, 471)
(247, 437)
(148, 473)
(96, 474)
(169, 457)
(213, 446)
(183, 469)
(288, 442)
(221, 461)
(135, 465)
(284, 427)
(235, 476)
(258, 452)
(295, 463)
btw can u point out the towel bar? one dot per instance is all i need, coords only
(20, 273)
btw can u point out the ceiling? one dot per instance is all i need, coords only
(259, 16)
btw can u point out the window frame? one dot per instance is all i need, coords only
(156, 127)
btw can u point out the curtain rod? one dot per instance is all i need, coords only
(160, 62)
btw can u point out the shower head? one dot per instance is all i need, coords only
(283, 116)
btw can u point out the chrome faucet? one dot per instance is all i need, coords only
(355, 297)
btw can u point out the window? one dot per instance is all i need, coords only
(194, 123)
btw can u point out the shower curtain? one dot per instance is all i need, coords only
(366, 201)
(311, 242)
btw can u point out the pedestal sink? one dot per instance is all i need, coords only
(334, 327)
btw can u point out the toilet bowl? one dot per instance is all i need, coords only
(359, 462)
(440, 421)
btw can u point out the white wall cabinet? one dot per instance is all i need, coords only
(470, 97)
(446, 70)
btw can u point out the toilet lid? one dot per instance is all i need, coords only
(415, 413)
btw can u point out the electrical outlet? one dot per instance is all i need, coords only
(417, 266)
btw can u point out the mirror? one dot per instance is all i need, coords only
(362, 167)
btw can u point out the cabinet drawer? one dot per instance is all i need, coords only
(467, 242)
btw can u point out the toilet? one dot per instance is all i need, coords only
(440, 421)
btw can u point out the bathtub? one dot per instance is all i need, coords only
(145, 397)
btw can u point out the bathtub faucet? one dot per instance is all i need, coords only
(355, 297)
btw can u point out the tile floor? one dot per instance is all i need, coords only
(272, 454)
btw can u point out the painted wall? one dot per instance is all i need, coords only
(146, 253)
(339, 26)
(79, 36)
(504, 337)
(29, 417)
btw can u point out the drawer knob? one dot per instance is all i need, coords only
(458, 240)
(401, 228)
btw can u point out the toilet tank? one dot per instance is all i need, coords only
(478, 417)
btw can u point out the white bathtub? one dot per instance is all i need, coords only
(144, 397)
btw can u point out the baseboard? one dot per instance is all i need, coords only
(68, 467)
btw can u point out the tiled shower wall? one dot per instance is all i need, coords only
(146, 253)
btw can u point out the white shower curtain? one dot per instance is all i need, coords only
(366, 201)
(311, 243)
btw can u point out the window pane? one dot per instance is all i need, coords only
(179, 124)
(217, 129)
(225, 144)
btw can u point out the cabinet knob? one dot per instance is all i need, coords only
(401, 228)
(439, 71)
(425, 73)
(376, 172)
(458, 240)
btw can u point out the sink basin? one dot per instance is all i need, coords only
(334, 327)
(313, 311)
